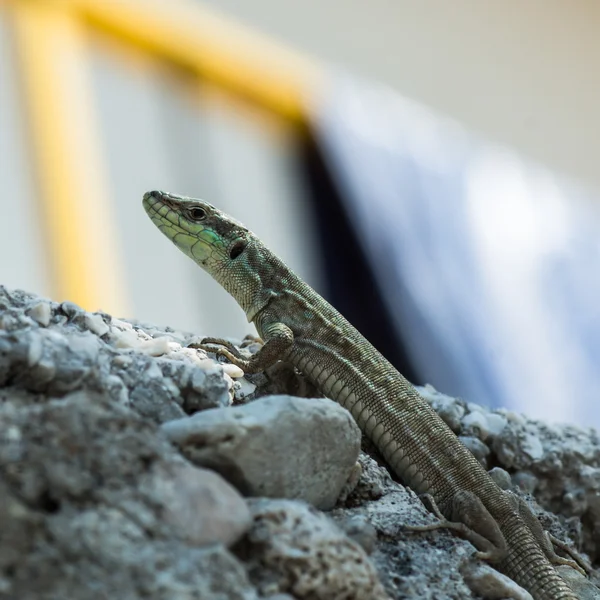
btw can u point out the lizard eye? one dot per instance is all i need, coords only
(196, 213)
(237, 249)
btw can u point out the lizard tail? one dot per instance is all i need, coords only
(527, 564)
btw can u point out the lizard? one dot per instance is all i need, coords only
(300, 327)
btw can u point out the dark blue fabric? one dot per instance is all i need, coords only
(489, 265)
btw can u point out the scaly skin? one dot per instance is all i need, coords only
(300, 327)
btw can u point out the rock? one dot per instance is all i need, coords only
(360, 529)
(70, 309)
(277, 446)
(95, 323)
(581, 585)
(292, 548)
(200, 506)
(492, 585)
(45, 360)
(41, 312)
(532, 446)
(374, 481)
(450, 409)
(95, 504)
(496, 424)
(501, 477)
(525, 481)
(476, 421)
(477, 448)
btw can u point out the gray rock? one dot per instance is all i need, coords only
(95, 504)
(360, 529)
(278, 446)
(199, 505)
(582, 586)
(292, 548)
(491, 585)
(71, 309)
(477, 447)
(41, 312)
(501, 477)
(476, 421)
(451, 410)
(45, 360)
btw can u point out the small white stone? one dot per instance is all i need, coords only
(122, 325)
(122, 361)
(533, 447)
(232, 370)
(35, 351)
(245, 387)
(95, 323)
(123, 338)
(496, 423)
(41, 313)
(13, 434)
(154, 346)
(477, 420)
(515, 418)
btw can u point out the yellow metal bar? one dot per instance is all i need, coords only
(71, 178)
(215, 48)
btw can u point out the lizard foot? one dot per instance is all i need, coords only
(576, 561)
(472, 521)
(546, 540)
(221, 347)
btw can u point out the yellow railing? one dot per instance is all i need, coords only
(52, 43)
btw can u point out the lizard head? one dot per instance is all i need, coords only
(208, 236)
(224, 248)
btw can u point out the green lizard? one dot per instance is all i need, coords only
(300, 327)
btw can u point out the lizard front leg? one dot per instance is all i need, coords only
(278, 340)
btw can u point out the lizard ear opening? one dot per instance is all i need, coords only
(237, 249)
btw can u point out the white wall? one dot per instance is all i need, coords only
(521, 72)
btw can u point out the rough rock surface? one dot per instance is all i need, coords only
(95, 502)
(293, 548)
(88, 504)
(278, 447)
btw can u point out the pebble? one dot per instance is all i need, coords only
(232, 370)
(501, 477)
(477, 421)
(476, 447)
(490, 584)
(495, 424)
(95, 323)
(525, 481)
(41, 312)
(532, 446)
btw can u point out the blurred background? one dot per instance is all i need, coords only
(430, 167)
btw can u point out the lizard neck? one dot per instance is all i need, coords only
(253, 278)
